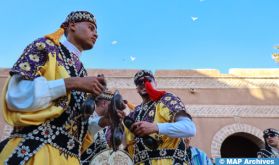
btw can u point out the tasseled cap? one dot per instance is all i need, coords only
(271, 131)
(141, 75)
(79, 16)
(106, 95)
(75, 16)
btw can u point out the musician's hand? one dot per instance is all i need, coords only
(121, 114)
(104, 121)
(142, 128)
(104, 83)
(91, 85)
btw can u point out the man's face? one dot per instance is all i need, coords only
(85, 34)
(141, 90)
(272, 139)
(141, 85)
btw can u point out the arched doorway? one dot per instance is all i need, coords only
(240, 145)
(252, 133)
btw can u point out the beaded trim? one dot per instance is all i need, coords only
(78, 16)
(96, 147)
(145, 155)
(142, 73)
(144, 109)
(266, 154)
(178, 155)
(26, 149)
(271, 130)
(65, 133)
(105, 95)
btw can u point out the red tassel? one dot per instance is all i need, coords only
(154, 94)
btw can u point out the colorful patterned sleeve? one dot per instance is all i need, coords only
(38, 59)
(171, 106)
(33, 57)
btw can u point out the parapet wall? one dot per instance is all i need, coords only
(241, 99)
(238, 72)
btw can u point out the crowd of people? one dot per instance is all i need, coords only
(44, 101)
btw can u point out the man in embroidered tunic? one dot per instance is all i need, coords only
(271, 138)
(163, 117)
(99, 127)
(43, 97)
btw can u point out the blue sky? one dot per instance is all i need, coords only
(154, 34)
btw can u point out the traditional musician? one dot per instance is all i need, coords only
(43, 97)
(156, 128)
(271, 139)
(102, 122)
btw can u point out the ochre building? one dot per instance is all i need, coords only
(230, 110)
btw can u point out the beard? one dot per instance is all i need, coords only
(87, 46)
(143, 94)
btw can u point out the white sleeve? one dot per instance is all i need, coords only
(183, 127)
(33, 95)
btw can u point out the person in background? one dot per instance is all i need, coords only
(99, 126)
(271, 139)
(197, 156)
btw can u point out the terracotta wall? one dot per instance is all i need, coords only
(243, 100)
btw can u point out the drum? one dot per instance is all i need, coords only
(108, 157)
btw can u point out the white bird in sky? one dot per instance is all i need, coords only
(132, 58)
(194, 18)
(114, 42)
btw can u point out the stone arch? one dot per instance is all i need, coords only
(228, 130)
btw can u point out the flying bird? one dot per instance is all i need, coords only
(114, 42)
(194, 18)
(132, 58)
